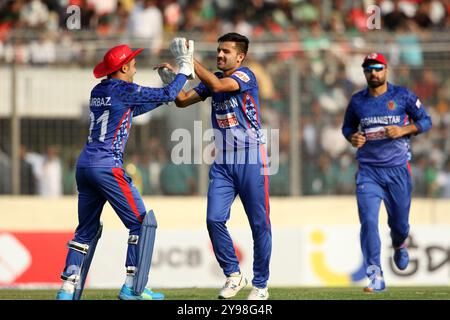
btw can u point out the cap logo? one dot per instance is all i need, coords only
(123, 56)
(372, 56)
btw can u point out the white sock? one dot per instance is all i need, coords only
(129, 281)
(68, 286)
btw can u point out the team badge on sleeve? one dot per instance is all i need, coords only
(242, 75)
(418, 104)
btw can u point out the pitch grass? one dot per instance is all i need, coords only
(285, 293)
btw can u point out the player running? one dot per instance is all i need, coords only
(240, 166)
(100, 176)
(377, 122)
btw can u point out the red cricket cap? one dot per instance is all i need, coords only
(114, 59)
(374, 57)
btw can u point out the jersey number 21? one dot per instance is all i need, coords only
(103, 120)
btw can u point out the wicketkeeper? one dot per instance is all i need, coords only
(100, 176)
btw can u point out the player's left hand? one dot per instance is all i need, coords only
(166, 72)
(394, 132)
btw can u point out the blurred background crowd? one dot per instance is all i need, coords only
(306, 55)
(46, 38)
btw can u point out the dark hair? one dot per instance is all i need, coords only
(241, 41)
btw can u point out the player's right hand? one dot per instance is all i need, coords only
(358, 140)
(166, 72)
(183, 51)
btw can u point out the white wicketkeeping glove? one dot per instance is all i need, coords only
(166, 75)
(184, 56)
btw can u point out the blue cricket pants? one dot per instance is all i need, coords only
(251, 183)
(393, 186)
(95, 187)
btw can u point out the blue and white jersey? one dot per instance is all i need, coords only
(369, 114)
(113, 104)
(236, 116)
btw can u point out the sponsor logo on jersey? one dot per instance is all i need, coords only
(377, 133)
(227, 120)
(242, 75)
(392, 105)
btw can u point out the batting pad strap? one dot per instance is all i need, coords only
(72, 278)
(131, 271)
(80, 247)
(133, 239)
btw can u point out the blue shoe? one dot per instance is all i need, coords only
(63, 295)
(127, 293)
(376, 285)
(401, 258)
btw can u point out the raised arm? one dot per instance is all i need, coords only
(212, 82)
(144, 99)
(184, 99)
(135, 95)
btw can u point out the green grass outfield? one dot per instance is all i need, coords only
(286, 293)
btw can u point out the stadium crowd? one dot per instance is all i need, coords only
(154, 20)
(326, 40)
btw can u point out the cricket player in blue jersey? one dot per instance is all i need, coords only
(240, 166)
(379, 121)
(100, 176)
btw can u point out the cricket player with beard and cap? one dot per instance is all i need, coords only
(379, 121)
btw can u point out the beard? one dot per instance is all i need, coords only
(375, 83)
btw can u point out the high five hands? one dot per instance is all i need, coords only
(183, 52)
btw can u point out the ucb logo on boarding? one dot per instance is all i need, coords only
(433, 258)
(176, 257)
